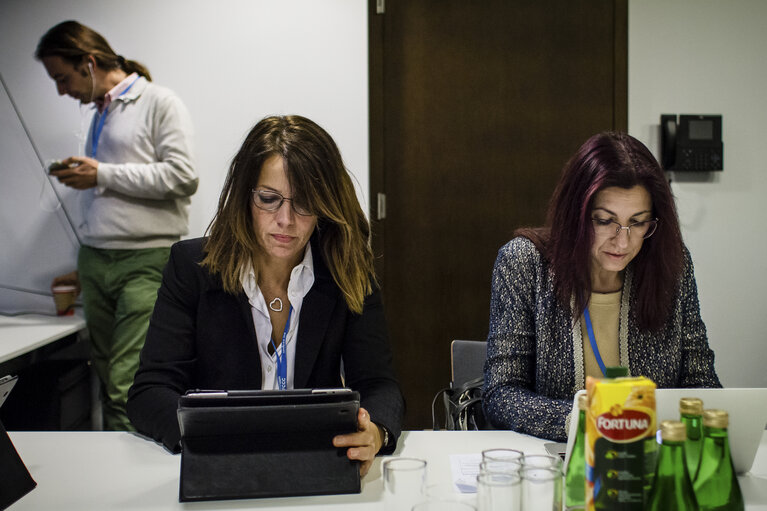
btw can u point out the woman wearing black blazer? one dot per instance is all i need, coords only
(282, 294)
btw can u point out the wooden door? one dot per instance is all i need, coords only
(475, 107)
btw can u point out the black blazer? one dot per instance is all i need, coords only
(201, 337)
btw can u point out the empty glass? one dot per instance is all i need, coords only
(542, 460)
(509, 466)
(541, 488)
(498, 491)
(404, 483)
(502, 455)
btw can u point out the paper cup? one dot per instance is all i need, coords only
(64, 297)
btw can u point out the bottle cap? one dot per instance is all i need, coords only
(691, 406)
(583, 402)
(716, 418)
(616, 371)
(673, 431)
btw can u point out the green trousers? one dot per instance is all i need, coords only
(119, 288)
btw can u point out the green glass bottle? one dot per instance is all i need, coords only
(575, 477)
(671, 488)
(616, 372)
(691, 412)
(716, 485)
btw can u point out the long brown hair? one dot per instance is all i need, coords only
(611, 159)
(72, 41)
(319, 180)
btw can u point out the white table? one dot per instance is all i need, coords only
(23, 334)
(82, 471)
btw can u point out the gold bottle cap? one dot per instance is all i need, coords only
(583, 402)
(691, 406)
(716, 418)
(673, 431)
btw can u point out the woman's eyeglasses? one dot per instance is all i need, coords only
(610, 228)
(272, 201)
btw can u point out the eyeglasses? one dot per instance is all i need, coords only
(272, 201)
(611, 228)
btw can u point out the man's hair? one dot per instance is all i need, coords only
(319, 180)
(72, 41)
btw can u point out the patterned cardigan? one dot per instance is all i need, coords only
(534, 362)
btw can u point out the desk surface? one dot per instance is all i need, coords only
(27, 332)
(107, 470)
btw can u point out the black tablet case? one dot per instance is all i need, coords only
(15, 480)
(253, 444)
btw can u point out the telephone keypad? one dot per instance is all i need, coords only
(697, 158)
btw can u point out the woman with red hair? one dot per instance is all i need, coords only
(606, 282)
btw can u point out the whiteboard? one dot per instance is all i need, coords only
(38, 242)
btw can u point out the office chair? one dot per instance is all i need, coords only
(462, 401)
(467, 360)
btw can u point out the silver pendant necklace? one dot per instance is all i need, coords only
(276, 305)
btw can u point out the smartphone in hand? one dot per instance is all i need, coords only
(57, 165)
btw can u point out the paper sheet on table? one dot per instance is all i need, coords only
(464, 468)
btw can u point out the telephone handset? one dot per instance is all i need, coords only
(668, 145)
(691, 142)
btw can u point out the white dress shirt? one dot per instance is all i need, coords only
(301, 280)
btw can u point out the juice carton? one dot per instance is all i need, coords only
(620, 443)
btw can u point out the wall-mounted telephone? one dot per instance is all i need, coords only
(693, 142)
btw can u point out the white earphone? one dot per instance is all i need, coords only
(90, 71)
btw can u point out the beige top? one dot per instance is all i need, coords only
(604, 310)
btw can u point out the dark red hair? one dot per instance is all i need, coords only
(611, 159)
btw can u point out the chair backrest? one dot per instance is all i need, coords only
(467, 360)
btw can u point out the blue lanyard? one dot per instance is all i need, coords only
(282, 355)
(97, 127)
(593, 341)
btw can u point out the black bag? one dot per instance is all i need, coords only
(463, 407)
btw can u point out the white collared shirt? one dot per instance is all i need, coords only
(116, 91)
(301, 281)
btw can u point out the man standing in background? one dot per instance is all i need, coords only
(136, 182)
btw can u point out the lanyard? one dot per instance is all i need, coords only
(593, 341)
(282, 355)
(97, 127)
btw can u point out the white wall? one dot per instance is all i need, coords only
(235, 61)
(232, 62)
(708, 57)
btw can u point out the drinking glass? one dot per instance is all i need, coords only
(505, 466)
(404, 483)
(499, 491)
(541, 488)
(502, 454)
(542, 461)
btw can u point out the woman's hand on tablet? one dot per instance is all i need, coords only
(364, 444)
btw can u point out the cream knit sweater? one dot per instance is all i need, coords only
(145, 173)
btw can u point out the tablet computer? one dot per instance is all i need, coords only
(6, 384)
(252, 443)
(15, 480)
